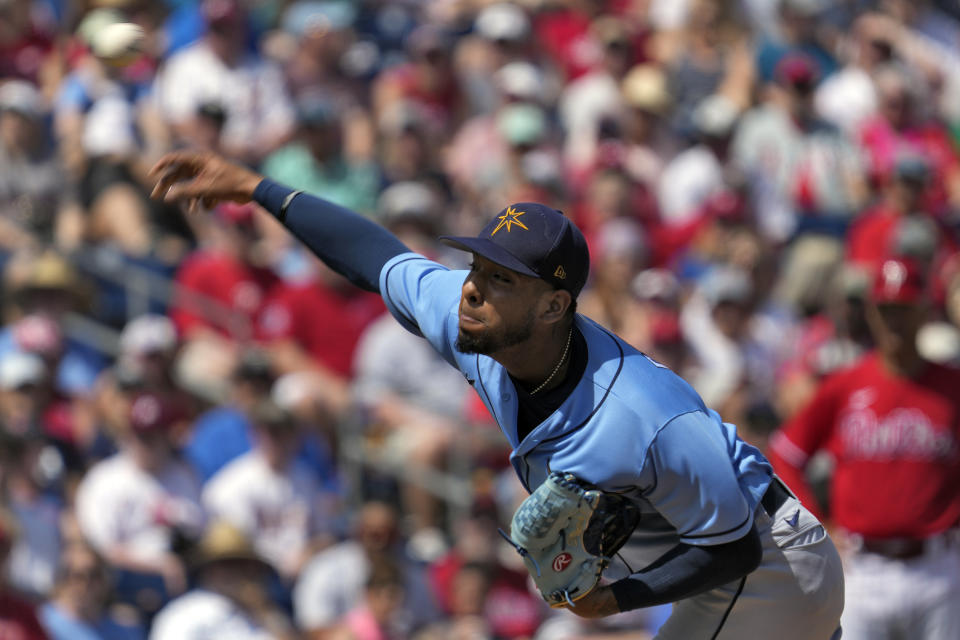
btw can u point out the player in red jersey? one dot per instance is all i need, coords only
(892, 425)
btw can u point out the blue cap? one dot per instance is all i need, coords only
(534, 240)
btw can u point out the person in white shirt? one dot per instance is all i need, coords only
(333, 582)
(230, 601)
(272, 497)
(217, 69)
(134, 505)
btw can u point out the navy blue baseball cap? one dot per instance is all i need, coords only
(534, 240)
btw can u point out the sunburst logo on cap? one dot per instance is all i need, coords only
(510, 217)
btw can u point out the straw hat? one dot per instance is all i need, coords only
(222, 541)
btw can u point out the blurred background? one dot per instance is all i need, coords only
(203, 427)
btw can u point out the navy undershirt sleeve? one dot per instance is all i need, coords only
(351, 245)
(688, 570)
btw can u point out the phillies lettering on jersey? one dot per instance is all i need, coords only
(891, 436)
(902, 433)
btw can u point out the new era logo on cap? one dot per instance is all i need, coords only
(535, 240)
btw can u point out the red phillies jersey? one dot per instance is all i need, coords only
(326, 322)
(895, 441)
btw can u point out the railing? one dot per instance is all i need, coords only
(142, 287)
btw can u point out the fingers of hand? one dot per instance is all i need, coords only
(172, 168)
(179, 190)
(192, 159)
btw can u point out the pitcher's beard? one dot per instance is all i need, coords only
(487, 343)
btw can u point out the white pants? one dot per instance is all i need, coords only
(795, 594)
(915, 599)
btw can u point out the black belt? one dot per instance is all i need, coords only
(774, 497)
(896, 548)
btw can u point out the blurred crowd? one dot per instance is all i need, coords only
(203, 429)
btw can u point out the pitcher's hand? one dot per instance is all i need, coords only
(201, 177)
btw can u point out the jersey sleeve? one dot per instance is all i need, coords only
(810, 428)
(423, 296)
(695, 485)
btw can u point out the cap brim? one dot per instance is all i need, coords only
(491, 251)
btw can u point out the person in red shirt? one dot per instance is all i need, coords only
(221, 288)
(322, 315)
(901, 124)
(426, 81)
(313, 325)
(871, 237)
(892, 424)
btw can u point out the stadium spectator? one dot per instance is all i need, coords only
(31, 479)
(375, 616)
(698, 172)
(219, 67)
(516, 83)
(594, 98)
(312, 322)
(479, 588)
(426, 80)
(27, 42)
(619, 253)
(137, 506)
(47, 288)
(18, 617)
(109, 133)
(316, 161)
(272, 497)
(803, 175)
(231, 599)
(222, 287)
(37, 202)
(899, 127)
(79, 607)
(225, 431)
(332, 583)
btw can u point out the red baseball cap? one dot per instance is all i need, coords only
(236, 213)
(151, 413)
(798, 70)
(898, 281)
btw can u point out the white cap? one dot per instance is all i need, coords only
(714, 115)
(18, 369)
(407, 199)
(22, 97)
(149, 333)
(520, 79)
(726, 284)
(655, 284)
(621, 237)
(502, 22)
(292, 390)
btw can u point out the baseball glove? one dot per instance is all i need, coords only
(567, 531)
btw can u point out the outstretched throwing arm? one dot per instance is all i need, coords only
(350, 244)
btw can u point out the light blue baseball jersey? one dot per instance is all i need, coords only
(630, 425)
